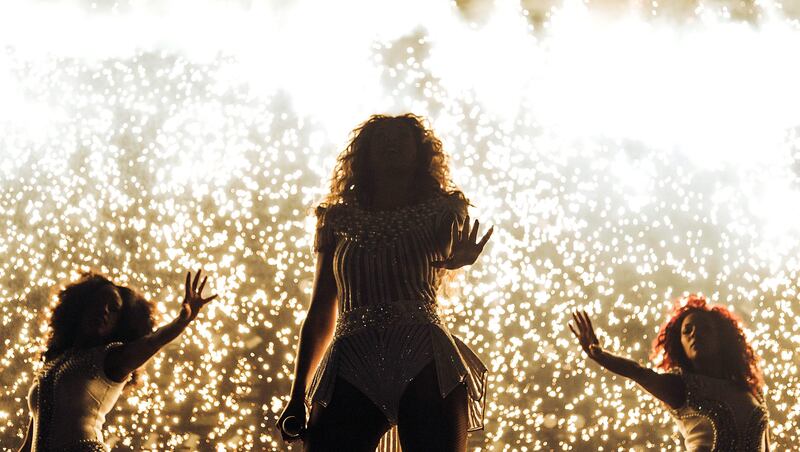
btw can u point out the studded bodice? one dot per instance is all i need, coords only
(381, 257)
(69, 400)
(720, 416)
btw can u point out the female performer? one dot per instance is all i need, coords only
(100, 335)
(373, 351)
(714, 385)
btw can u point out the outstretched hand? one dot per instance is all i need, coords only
(193, 300)
(465, 247)
(585, 333)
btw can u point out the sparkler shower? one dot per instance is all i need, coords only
(627, 153)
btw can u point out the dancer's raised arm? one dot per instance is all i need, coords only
(668, 388)
(123, 360)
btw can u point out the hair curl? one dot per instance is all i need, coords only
(136, 319)
(351, 181)
(738, 359)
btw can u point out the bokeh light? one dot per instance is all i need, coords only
(627, 152)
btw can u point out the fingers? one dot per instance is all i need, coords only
(202, 284)
(196, 279)
(579, 319)
(284, 435)
(578, 322)
(206, 300)
(473, 236)
(583, 324)
(291, 423)
(586, 326)
(188, 277)
(485, 237)
(465, 229)
(569, 324)
(454, 233)
(591, 330)
(589, 321)
(292, 428)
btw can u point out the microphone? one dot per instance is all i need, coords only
(292, 426)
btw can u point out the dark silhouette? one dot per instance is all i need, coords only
(373, 351)
(100, 335)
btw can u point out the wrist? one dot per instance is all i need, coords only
(595, 351)
(181, 321)
(298, 392)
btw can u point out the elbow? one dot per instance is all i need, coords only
(318, 324)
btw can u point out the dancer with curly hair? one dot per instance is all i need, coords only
(373, 351)
(713, 385)
(100, 335)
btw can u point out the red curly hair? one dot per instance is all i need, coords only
(739, 361)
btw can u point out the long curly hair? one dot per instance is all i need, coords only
(351, 181)
(739, 361)
(136, 319)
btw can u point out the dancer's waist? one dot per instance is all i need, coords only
(384, 315)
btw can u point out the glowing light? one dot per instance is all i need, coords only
(623, 161)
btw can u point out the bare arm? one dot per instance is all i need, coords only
(26, 446)
(318, 327)
(315, 335)
(123, 360)
(766, 439)
(668, 388)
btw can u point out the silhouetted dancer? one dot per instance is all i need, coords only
(373, 342)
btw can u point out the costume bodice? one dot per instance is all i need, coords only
(720, 415)
(70, 398)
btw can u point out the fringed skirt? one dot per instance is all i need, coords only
(379, 349)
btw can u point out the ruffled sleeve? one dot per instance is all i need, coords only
(325, 239)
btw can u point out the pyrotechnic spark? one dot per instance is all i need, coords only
(622, 163)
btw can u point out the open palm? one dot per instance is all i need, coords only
(585, 333)
(465, 247)
(193, 300)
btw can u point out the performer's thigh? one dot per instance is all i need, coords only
(350, 422)
(428, 422)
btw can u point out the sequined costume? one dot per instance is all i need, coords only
(720, 416)
(388, 328)
(69, 400)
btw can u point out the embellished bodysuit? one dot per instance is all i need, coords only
(388, 328)
(69, 400)
(720, 416)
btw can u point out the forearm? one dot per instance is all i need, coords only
(625, 367)
(145, 348)
(164, 335)
(315, 335)
(130, 356)
(668, 388)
